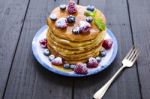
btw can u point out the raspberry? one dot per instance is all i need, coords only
(57, 61)
(92, 63)
(81, 68)
(107, 44)
(84, 26)
(72, 7)
(43, 43)
(61, 23)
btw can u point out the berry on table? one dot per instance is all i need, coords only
(57, 61)
(53, 17)
(76, 30)
(107, 44)
(90, 8)
(62, 6)
(61, 23)
(81, 68)
(71, 19)
(103, 53)
(46, 52)
(92, 63)
(43, 43)
(89, 19)
(51, 57)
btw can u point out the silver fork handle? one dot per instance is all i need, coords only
(100, 93)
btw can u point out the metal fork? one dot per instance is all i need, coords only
(128, 61)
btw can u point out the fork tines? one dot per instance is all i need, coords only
(132, 54)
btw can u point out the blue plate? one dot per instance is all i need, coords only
(44, 61)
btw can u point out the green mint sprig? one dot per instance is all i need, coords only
(89, 13)
(98, 21)
(100, 24)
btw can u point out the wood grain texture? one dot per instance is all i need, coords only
(12, 14)
(126, 86)
(140, 22)
(28, 80)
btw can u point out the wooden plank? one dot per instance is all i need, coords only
(28, 80)
(140, 21)
(126, 86)
(12, 14)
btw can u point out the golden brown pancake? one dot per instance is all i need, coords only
(71, 47)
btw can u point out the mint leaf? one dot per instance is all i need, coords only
(100, 24)
(89, 13)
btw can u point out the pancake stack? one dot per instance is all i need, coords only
(74, 48)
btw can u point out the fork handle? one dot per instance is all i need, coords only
(100, 93)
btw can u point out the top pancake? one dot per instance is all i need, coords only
(67, 33)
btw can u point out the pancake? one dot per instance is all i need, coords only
(77, 46)
(67, 33)
(71, 47)
(71, 59)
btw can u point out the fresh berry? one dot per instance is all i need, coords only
(89, 19)
(72, 66)
(72, 7)
(61, 23)
(107, 44)
(102, 53)
(102, 66)
(71, 19)
(92, 63)
(90, 8)
(46, 52)
(57, 61)
(43, 43)
(81, 68)
(51, 57)
(98, 59)
(84, 26)
(53, 17)
(67, 66)
(76, 30)
(62, 6)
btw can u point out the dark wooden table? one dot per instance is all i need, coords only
(22, 77)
